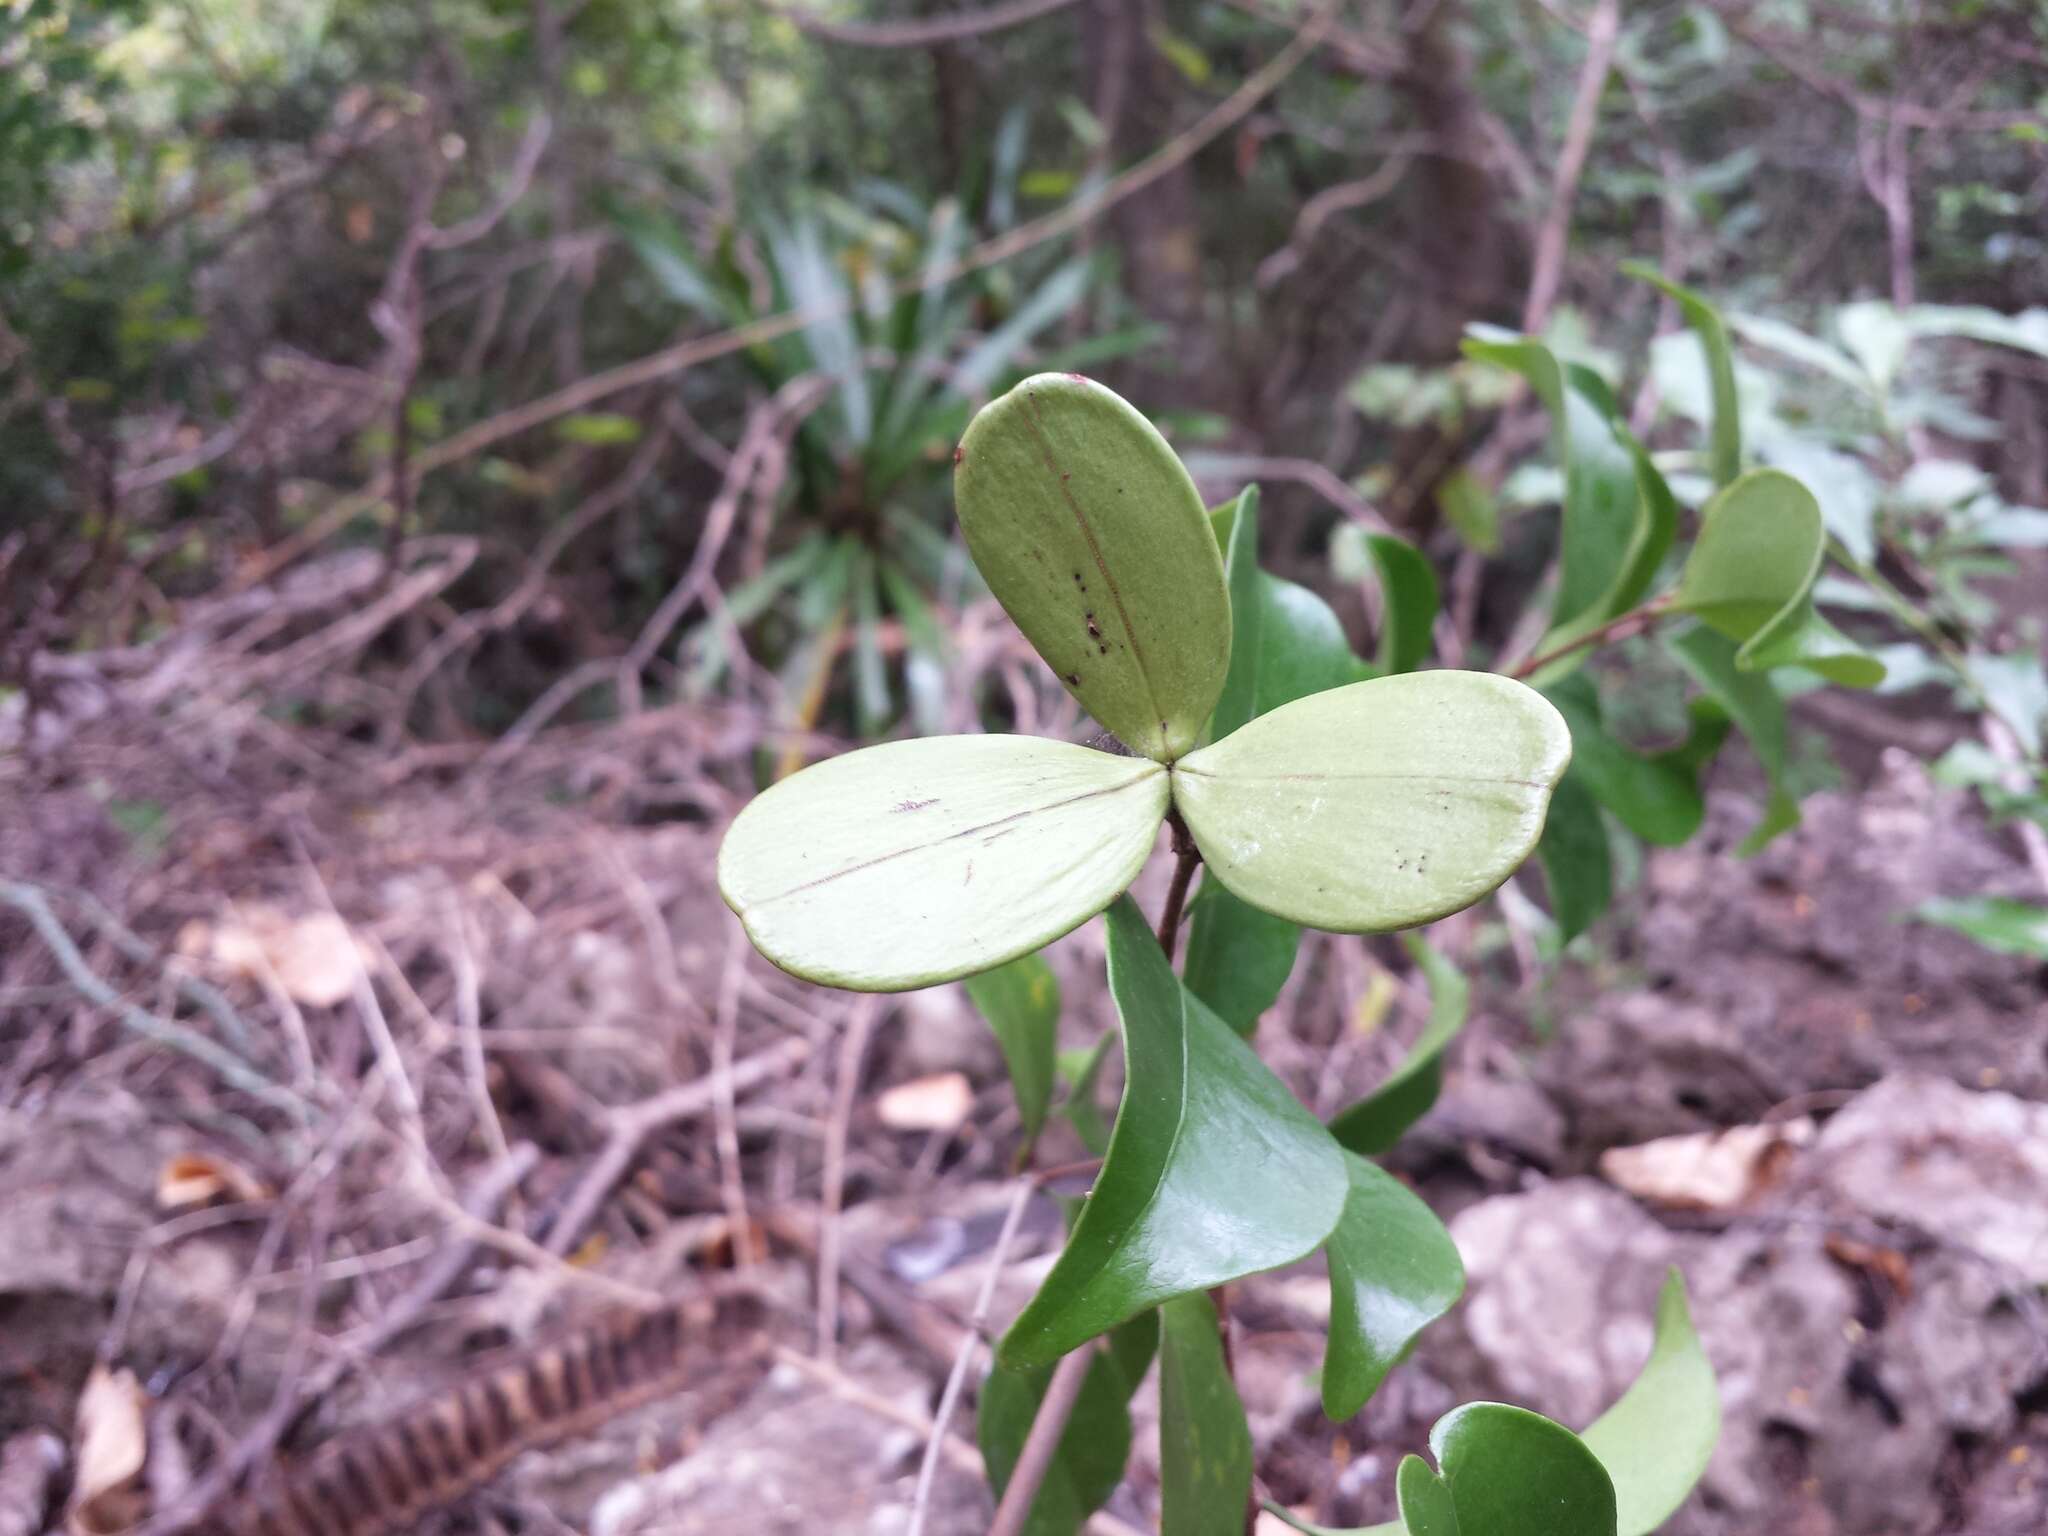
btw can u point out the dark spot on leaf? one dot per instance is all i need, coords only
(959, 457)
(1073, 679)
(912, 805)
(1102, 649)
(970, 873)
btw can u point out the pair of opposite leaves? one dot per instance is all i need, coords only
(1373, 806)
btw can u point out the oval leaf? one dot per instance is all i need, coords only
(1758, 553)
(1515, 1473)
(1214, 1169)
(1393, 1271)
(1089, 532)
(1384, 804)
(1656, 1440)
(1205, 1445)
(923, 861)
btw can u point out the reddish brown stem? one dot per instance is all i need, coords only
(1186, 856)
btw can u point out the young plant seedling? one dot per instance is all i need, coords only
(1317, 791)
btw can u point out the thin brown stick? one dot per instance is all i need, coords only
(920, 34)
(1035, 1459)
(853, 1050)
(633, 1123)
(1548, 268)
(1186, 856)
(1622, 627)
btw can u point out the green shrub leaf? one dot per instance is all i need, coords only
(1238, 957)
(1656, 1439)
(1393, 1271)
(1375, 1122)
(1021, 1002)
(1088, 530)
(1089, 1461)
(1408, 591)
(1725, 435)
(923, 861)
(1379, 805)
(1214, 1170)
(1657, 798)
(1576, 859)
(1997, 922)
(1753, 703)
(1205, 1446)
(1511, 1472)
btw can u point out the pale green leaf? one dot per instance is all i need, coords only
(1091, 535)
(1214, 1170)
(1021, 1002)
(1997, 922)
(1656, 1439)
(923, 861)
(1380, 805)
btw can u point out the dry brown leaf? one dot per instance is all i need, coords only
(314, 958)
(940, 1102)
(1710, 1171)
(195, 1179)
(110, 1442)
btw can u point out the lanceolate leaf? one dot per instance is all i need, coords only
(1726, 433)
(1656, 1439)
(923, 861)
(1576, 860)
(1090, 533)
(1513, 1473)
(1393, 1271)
(1380, 805)
(1089, 1462)
(1021, 1002)
(1205, 1446)
(1214, 1169)
(1758, 711)
(1408, 592)
(1375, 1122)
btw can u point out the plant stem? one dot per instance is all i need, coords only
(1186, 857)
(1033, 1461)
(1626, 625)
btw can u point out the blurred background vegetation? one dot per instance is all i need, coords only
(285, 277)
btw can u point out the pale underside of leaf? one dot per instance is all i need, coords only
(917, 862)
(1090, 533)
(1656, 1440)
(1380, 805)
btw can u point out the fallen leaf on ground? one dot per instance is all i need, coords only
(110, 1441)
(194, 1179)
(940, 1102)
(1708, 1171)
(314, 958)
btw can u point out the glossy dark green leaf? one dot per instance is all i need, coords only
(1214, 1170)
(1021, 1002)
(923, 861)
(1375, 1122)
(1409, 597)
(1725, 435)
(1285, 641)
(1577, 861)
(1089, 1462)
(1380, 805)
(1393, 1271)
(1425, 1499)
(1656, 1440)
(1997, 922)
(1088, 530)
(1657, 798)
(1754, 705)
(1238, 957)
(1205, 1446)
(1515, 1473)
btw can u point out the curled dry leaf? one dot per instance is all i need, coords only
(1710, 1171)
(940, 1102)
(314, 958)
(111, 1441)
(195, 1179)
